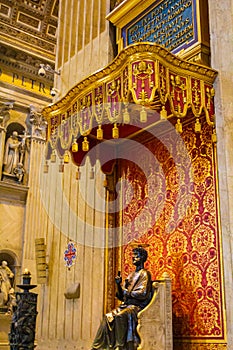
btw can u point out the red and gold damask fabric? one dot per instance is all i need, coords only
(173, 208)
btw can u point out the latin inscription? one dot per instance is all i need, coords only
(24, 82)
(170, 24)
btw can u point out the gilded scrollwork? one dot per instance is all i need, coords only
(113, 106)
(196, 95)
(178, 94)
(99, 104)
(162, 82)
(142, 81)
(85, 114)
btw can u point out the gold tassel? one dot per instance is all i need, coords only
(143, 115)
(179, 126)
(61, 167)
(214, 136)
(197, 126)
(115, 131)
(85, 145)
(163, 113)
(126, 116)
(46, 167)
(53, 156)
(105, 183)
(66, 157)
(78, 174)
(74, 147)
(99, 134)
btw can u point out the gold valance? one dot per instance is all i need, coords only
(145, 76)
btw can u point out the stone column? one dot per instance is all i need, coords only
(34, 208)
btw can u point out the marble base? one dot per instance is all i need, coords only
(5, 322)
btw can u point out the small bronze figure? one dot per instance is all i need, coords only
(118, 327)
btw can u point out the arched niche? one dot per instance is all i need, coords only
(14, 127)
(11, 259)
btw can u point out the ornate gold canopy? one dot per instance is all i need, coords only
(145, 83)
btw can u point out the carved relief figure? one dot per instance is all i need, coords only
(19, 172)
(5, 282)
(118, 327)
(12, 153)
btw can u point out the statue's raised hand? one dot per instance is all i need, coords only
(118, 278)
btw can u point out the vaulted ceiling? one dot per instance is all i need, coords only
(28, 31)
(30, 26)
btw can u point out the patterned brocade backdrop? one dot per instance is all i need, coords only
(180, 224)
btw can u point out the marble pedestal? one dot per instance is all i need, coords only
(5, 321)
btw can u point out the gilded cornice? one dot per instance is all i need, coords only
(30, 25)
(135, 52)
(125, 11)
(143, 85)
(27, 42)
(22, 62)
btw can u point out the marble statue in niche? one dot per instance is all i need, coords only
(6, 276)
(13, 162)
(12, 153)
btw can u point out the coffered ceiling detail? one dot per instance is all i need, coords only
(30, 25)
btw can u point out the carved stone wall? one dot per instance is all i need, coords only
(84, 40)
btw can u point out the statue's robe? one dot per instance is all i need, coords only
(5, 284)
(11, 157)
